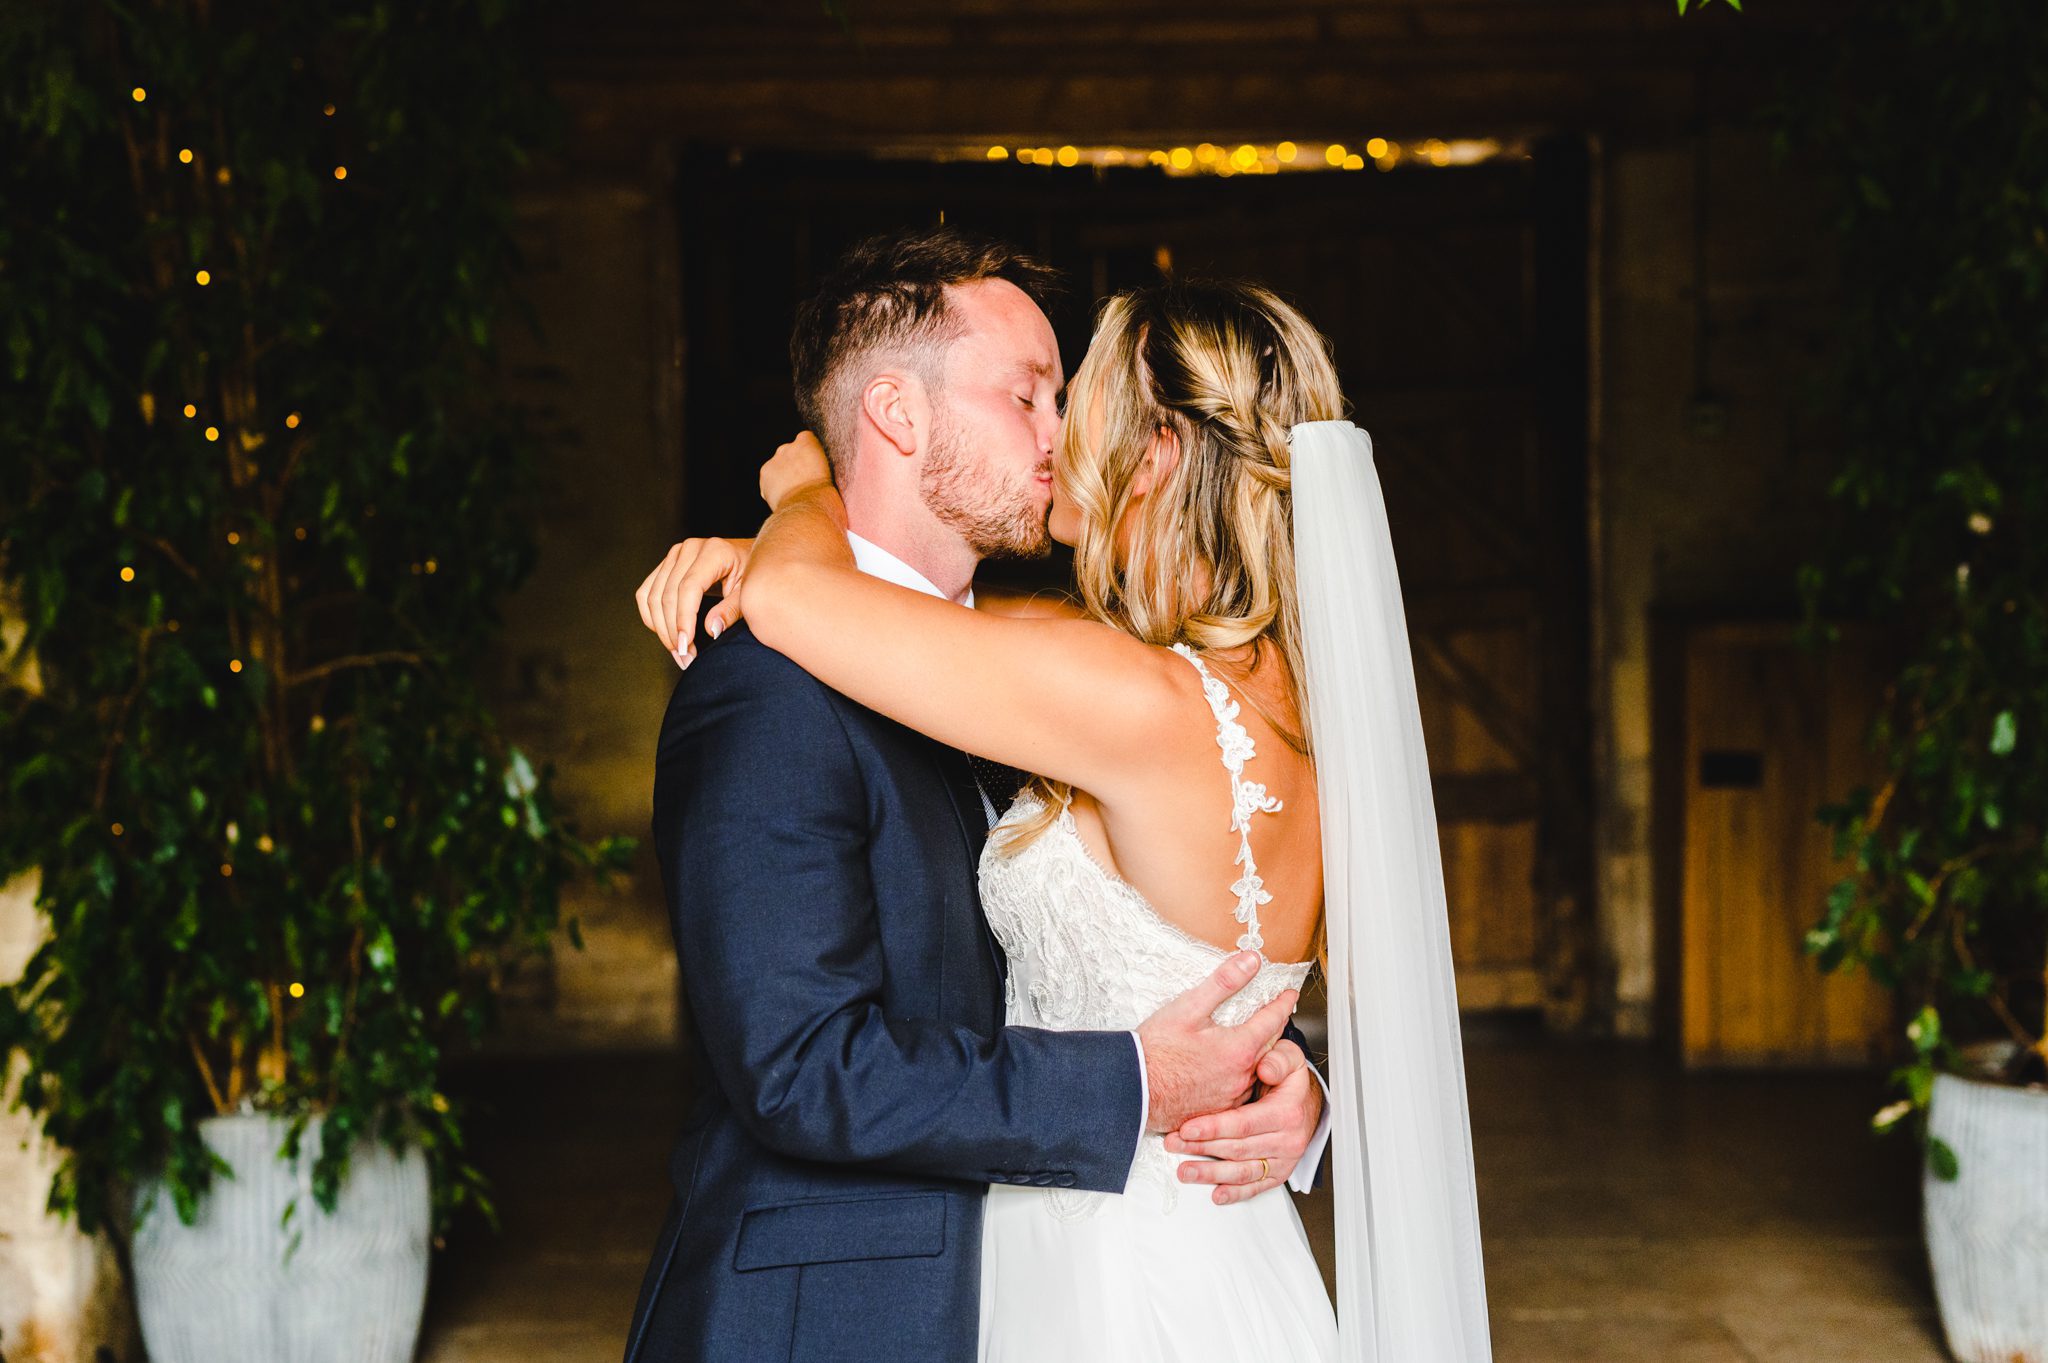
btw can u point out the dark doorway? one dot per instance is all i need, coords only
(1455, 301)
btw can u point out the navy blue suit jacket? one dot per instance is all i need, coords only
(859, 1090)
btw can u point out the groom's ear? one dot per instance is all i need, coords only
(1162, 456)
(894, 404)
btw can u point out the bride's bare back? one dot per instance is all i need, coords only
(1166, 831)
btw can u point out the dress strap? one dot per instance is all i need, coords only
(1246, 799)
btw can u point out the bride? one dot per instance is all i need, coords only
(1229, 756)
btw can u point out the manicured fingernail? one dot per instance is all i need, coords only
(713, 628)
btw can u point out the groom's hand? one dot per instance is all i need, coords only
(1255, 1147)
(1192, 1064)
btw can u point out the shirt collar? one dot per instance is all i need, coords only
(875, 561)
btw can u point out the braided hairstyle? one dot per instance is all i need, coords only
(1207, 558)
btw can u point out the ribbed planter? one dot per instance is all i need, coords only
(221, 1291)
(1987, 1231)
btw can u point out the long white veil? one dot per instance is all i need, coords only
(1411, 1286)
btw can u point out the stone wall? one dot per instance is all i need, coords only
(1706, 475)
(61, 1293)
(576, 678)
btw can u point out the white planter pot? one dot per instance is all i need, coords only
(221, 1291)
(1987, 1232)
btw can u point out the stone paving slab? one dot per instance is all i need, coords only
(1630, 1211)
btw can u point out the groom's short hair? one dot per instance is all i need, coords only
(885, 300)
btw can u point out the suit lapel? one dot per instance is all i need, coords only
(967, 808)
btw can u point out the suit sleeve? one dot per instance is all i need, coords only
(761, 825)
(1308, 1174)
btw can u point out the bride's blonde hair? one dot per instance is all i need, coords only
(1227, 367)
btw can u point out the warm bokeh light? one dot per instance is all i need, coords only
(202, 279)
(341, 172)
(1227, 159)
(213, 432)
(127, 574)
(138, 94)
(185, 155)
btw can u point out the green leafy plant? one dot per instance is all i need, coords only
(1934, 124)
(261, 492)
(1684, 5)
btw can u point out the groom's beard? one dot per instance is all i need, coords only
(998, 519)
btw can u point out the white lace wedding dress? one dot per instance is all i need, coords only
(1160, 1273)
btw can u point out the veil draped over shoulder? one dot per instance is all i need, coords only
(1410, 1283)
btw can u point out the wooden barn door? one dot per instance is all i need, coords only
(1771, 734)
(1454, 300)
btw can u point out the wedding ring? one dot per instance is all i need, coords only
(1265, 1168)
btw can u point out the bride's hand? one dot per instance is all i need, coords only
(799, 465)
(670, 595)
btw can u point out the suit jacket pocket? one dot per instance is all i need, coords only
(836, 1230)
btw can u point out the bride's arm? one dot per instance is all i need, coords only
(671, 595)
(1068, 698)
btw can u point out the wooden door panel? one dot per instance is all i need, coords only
(1771, 734)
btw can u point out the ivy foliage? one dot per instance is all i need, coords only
(259, 491)
(1934, 122)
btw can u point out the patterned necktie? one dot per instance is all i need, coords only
(998, 782)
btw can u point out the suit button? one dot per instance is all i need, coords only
(1041, 1180)
(1065, 1180)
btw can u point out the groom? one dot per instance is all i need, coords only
(860, 1090)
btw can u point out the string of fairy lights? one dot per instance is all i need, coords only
(293, 421)
(1224, 159)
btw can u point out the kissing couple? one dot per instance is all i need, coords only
(997, 1052)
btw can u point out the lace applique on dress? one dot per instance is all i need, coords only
(1086, 950)
(1246, 799)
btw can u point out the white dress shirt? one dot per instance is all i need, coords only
(875, 561)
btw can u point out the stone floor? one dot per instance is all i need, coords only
(1630, 1211)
